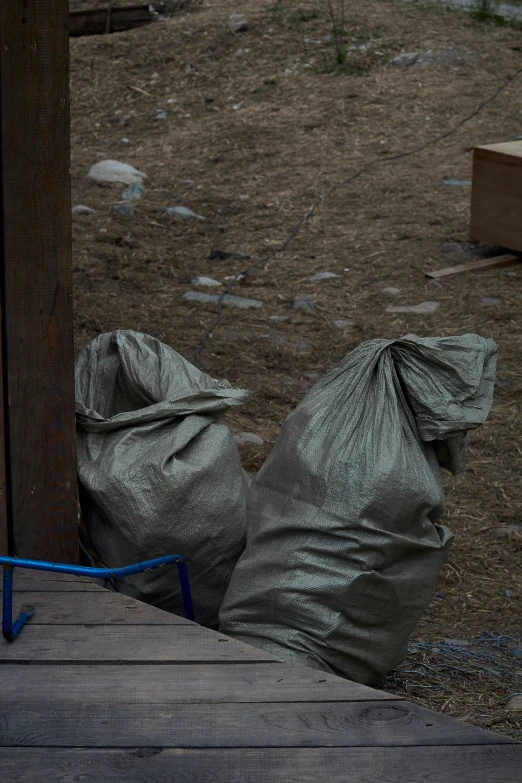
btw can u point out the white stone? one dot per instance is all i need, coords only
(81, 209)
(323, 276)
(205, 281)
(237, 23)
(424, 308)
(242, 438)
(112, 172)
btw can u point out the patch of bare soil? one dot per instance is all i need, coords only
(257, 126)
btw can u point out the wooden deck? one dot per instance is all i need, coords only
(100, 688)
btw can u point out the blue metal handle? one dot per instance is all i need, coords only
(11, 630)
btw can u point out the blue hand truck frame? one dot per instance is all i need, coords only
(11, 630)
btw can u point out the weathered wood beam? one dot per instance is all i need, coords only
(36, 280)
(113, 20)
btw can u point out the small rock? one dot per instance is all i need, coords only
(312, 375)
(515, 703)
(235, 301)
(424, 308)
(123, 209)
(342, 324)
(81, 209)
(303, 303)
(126, 141)
(512, 274)
(390, 291)
(410, 336)
(509, 593)
(242, 438)
(112, 172)
(517, 654)
(456, 642)
(133, 192)
(281, 318)
(491, 300)
(181, 213)
(161, 115)
(323, 276)
(457, 183)
(238, 106)
(205, 281)
(504, 532)
(237, 23)
(236, 278)
(406, 60)
(451, 247)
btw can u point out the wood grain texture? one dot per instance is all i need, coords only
(71, 684)
(96, 608)
(167, 725)
(499, 262)
(36, 277)
(137, 644)
(4, 525)
(99, 21)
(496, 195)
(454, 764)
(24, 582)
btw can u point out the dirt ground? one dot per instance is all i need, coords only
(258, 126)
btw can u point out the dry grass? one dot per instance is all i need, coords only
(254, 172)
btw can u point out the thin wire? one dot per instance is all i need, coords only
(344, 183)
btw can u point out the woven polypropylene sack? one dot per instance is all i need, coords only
(343, 542)
(158, 473)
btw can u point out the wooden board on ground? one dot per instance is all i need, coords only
(429, 764)
(499, 262)
(108, 19)
(292, 724)
(94, 608)
(113, 643)
(136, 702)
(23, 583)
(71, 684)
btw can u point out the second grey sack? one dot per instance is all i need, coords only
(159, 473)
(344, 547)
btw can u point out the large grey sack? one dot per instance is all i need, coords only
(343, 543)
(158, 473)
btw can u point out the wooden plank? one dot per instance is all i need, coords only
(96, 608)
(167, 725)
(190, 684)
(139, 644)
(36, 277)
(499, 262)
(496, 195)
(24, 584)
(31, 575)
(454, 764)
(104, 20)
(4, 528)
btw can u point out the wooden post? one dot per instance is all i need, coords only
(36, 282)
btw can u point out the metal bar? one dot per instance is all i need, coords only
(185, 590)
(94, 573)
(7, 606)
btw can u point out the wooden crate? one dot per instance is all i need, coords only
(496, 199)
